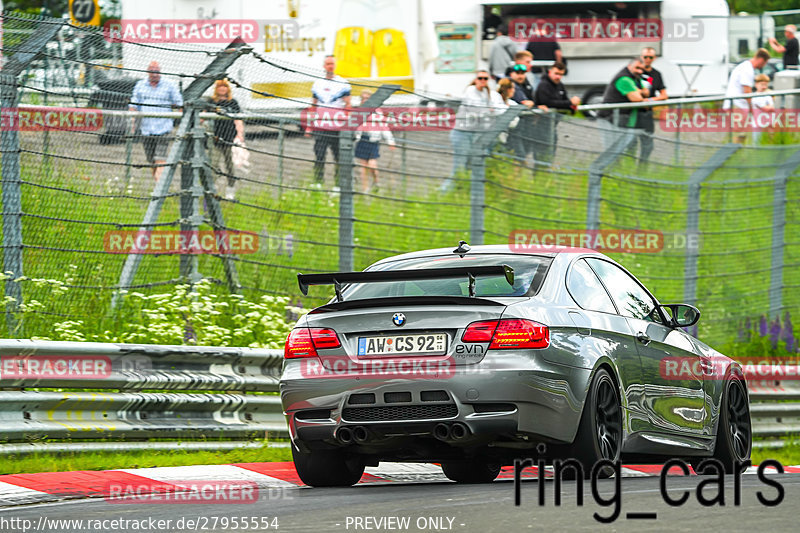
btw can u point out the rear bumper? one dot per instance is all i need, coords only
(507, 395)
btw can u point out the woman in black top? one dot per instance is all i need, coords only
(226, 132)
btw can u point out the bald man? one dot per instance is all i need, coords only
(792, 48)
(155, 95)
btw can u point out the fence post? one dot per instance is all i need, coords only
(596, 169)
(191, 193)
(693, 216)
(11, 186)
(12, 204)
(281, 141)
(346, 207)
(778, 233)
(477, 183)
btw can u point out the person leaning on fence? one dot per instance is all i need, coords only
(626, 86)
(551, 94)
(331, 92)
(521, 139)
(506, 89)
(226, 134)
(475, 116)
(523, 57)
(155, 94)
(761, 104)
(368, 138)
(741, 82)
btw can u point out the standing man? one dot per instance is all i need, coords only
(792, 48)
(654, 83)
(501, 54)
(332, 91)
(544, 47)
(155, 95)
(626, 86)
(741, 82)
(551, 93)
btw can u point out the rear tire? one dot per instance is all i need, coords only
(600, 430)
(734, 433)
(471, 471)
(327, 468)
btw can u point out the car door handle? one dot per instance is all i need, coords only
(643, 338)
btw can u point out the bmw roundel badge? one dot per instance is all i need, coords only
(399, 319)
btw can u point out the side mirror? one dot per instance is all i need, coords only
(682, 315)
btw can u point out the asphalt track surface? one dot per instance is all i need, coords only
(444, 506)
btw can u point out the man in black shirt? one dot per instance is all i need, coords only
(551, 93)
(544, 47)
(791, 50)
(653, 82)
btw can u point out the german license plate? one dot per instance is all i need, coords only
(421, 344)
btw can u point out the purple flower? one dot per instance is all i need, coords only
(787, 333)
(775, 332)
(762, 326)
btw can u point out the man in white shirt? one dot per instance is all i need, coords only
(332, 91)
(742, 81)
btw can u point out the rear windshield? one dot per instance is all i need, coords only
(529, 273)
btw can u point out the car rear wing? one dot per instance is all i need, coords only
(337, 279)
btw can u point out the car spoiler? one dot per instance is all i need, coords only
(337, 279)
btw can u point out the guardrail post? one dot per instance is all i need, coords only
(596, 169)
(778, 233)
(346, 207)
(693, 217)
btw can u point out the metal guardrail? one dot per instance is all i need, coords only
(127, 393)
(207, 397)
(775, 411)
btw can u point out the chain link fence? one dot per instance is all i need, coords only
(77, 194)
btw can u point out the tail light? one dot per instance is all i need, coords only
(508, 334)
(304, 342)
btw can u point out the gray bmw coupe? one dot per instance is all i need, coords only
(472, 358)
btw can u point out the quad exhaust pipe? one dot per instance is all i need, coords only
(349, 435)
(451, 432)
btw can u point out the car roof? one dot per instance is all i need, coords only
(546, 251)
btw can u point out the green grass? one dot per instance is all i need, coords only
(48, 462)
(32, 463)
(788, 455)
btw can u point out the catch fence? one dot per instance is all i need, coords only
(73, 196)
